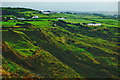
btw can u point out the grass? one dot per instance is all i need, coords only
(8, 15)
(20, 44)
(108, 21)
(90, 16)
(57, 15)
(41, 60)
(63, 51)
(40, 24)
(54, 19)
(78, 21)
(14, 70)
(10, 24)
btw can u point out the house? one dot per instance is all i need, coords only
(46, 12)
(93, 24)
(61, 18)
(20, 18)
(11, 18)
(35, 17)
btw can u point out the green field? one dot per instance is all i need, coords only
(40, 24)
(78, 21)
(108, 21)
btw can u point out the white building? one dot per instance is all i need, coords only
(11, 18)
(61, 18)
(94, 24)
(46, 12)
(21, 18)
(35, 17)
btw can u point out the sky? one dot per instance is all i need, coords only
(59, 0)
(65, 6)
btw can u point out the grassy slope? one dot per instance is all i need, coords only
(67, 50)
(42, 63)
(76, 56)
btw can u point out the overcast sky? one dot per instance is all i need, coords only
(59, 0)
(66, 6)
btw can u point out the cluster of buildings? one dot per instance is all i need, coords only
(34, 17)
(51, 12)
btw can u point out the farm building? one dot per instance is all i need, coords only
(35, 17)
(93, 24)
(46, 12)
(61, 18)
(11, 18)
(20, 18)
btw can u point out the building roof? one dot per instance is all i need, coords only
(94, 24)
(21, 18)
(61, 18)
(35, 17)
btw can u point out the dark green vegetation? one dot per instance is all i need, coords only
(46, 47)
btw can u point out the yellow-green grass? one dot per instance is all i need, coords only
(108, 21)
(78, 21)
(10, 24)
(40, 24)
(20, 43)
